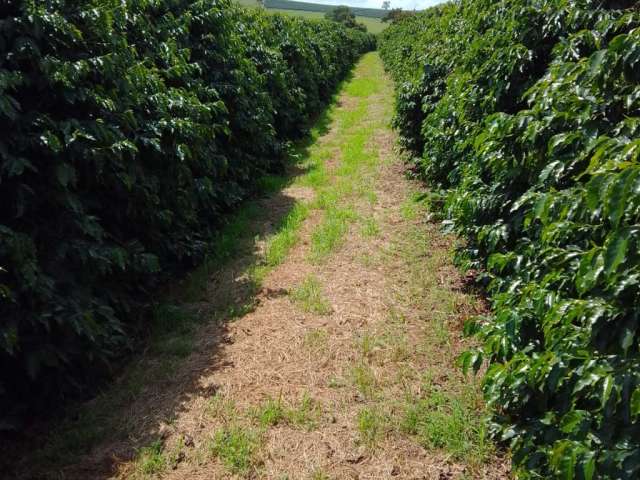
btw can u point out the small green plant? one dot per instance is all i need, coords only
(279, 245)
(397, 344)
(151, 460)
(222, 407)
(366, 344)
(319, 474)
(409, 210)
(370, 426)
(237, 447)
(306, 414)
(309, 296)
(241, 309)
(270, 413)
(329, 235)
(370, 227)
(441, 330)
(364, 380)
(450, 422)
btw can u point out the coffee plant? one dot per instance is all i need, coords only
(524, 118)
(129, 128)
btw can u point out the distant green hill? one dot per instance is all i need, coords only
(317, 7)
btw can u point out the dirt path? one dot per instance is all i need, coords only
(324, 348)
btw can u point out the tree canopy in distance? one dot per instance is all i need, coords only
(345, 15)
(396, 14)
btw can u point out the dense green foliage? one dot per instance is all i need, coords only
(524, 117)
(320, 7)
(129, 128)
(397, 14)
(345, 16)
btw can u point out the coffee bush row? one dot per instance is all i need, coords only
(524, 118)
(128, 128)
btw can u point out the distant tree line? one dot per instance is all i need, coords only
(396, 14)
(345, 16)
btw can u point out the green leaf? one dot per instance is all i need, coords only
(635, 403)
(51, 140)
(572, 420)
(588, 465)
(596, 60)
(618, 195)
(591, 267)
(616, 249)
(14, 166)
(564, 460)
(607, 388)
(65, 174)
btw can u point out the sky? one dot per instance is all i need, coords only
(404, 4)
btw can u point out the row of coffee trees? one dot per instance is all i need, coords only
(524, 118)
(128, 129)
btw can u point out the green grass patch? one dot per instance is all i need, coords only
(172, 331)
(279, 245)
(269, 184)
(316, 175)
(397, 345)
(364, 379)
(233, 238)
(395, 339)
(221, 407)
(450, 422)
(227, 243)
(306, 414)
(171, 319)
(155, 459)
(364, 190)
(370, 227)
(363, 87)
(366, 344)
(308, 295)
(319, 474)
(330, 234)
(151, 460)
(371, 424)
(409, 210)
(353, 123)
(173, 345)
(236, 447)
(270, 413)
(327, 199)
